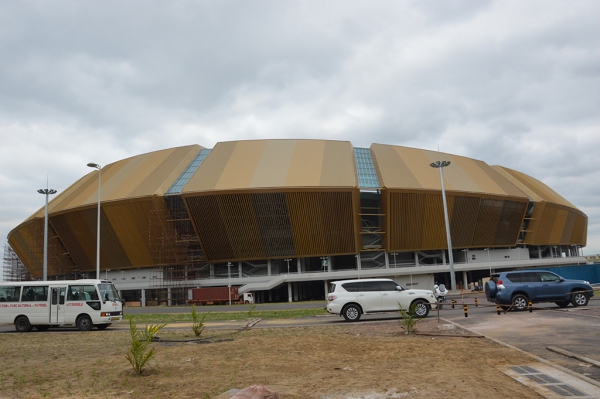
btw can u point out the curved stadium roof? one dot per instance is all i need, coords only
(268, 199)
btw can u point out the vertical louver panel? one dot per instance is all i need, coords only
(78, 236)
(237, 213)
(433, 231)
(490, 212)
(207, 219)
(568, 230)
(274, 224)
(579, 235)
(510, 222)
(546, 224)
(77, 231)
(464, 220)
(322, 222)
(130, 223)
(416, 221)
(28, 244)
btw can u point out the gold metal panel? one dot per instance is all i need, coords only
(579, 234)
(409, 169)
(274, 164)
(339, 165)
(138, 176)
(559, 225)
(241, 166)
(567, 232)
(554, 224)
(534, 188)
(307, 164)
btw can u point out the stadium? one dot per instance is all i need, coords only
(282, 218)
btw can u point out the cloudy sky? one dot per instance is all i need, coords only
(509, 82)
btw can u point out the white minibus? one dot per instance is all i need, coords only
(44, 304)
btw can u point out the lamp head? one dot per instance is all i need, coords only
(93, 165)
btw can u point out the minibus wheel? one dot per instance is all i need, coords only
(22, 324)
(84, 323)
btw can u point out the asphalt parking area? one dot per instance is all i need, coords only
(574, 330)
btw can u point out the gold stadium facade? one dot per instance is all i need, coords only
(303, 211)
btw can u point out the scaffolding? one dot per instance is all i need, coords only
(175, 249)
(13, 268)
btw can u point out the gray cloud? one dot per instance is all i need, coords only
(507, 82)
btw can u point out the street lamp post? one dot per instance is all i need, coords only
(46, 192)
(288, 264)
(441, 165)
(229, 280)
(96, 166)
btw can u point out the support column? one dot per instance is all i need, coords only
(269, 270)
(326, 287)
(443, 257)
(299, 265)
(289, 292)
(143, 299)
(539, 252)
(358, 264)
(416, 258)
(212, 270)
(465, 281)
(329, 266)
(387, 260)
(169, 296)
(240, 269)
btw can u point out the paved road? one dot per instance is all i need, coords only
(571, 329)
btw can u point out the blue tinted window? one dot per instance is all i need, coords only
(187, 174)
(367, 176)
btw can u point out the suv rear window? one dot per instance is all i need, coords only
(351, 287)
(523, 277)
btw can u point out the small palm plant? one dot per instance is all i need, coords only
(198, 321)
(409, 319)
(138, 352)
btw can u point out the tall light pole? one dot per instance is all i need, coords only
(47, 192)
(96, 166)
(441, 165)
(229, 280)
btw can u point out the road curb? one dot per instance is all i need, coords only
(537, 358)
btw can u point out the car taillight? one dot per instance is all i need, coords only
(499, 282)
(331, 297)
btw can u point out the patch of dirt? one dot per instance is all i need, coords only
(360, 360)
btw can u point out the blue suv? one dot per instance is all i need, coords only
(515, 289)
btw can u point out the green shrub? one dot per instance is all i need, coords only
(198, 321)
(409, 319)
(138, 352)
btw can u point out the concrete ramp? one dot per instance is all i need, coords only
(262, 286)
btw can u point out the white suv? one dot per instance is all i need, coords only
(352, 298)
